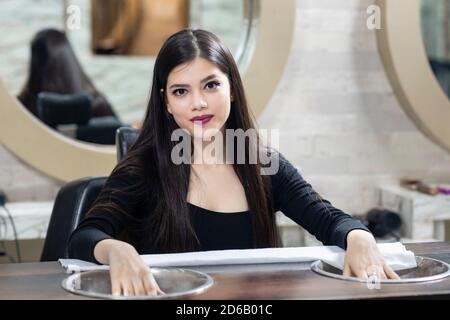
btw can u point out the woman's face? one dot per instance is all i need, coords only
(198, 97)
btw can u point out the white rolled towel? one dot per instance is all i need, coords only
(395, 255)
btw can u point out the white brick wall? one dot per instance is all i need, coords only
(22, 183)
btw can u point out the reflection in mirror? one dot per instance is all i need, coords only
(58, 92)
(107, 60)
(135, 27)
(435, 16)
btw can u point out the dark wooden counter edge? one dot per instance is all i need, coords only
(53, 269)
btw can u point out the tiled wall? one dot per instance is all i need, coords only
(339, 120)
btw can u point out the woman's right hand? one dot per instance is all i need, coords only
(130, 276)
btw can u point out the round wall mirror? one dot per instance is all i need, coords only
(435, 17)
(120, 66)
(414, 46)
(94, 58)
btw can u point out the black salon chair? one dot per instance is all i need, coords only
(56, 109)
(71, 204)
(73, 201)
(125, 137)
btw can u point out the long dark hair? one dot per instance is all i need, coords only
(55, 68)
(168, 227)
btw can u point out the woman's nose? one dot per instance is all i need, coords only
(198, 101)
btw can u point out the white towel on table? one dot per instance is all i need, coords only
(395, 255)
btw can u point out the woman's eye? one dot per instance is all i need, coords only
(212, 85)
(179, 92)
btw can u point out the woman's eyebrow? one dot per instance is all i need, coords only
(178, 85)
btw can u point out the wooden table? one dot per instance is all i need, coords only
(264, 281)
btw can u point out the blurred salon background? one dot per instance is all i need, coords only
(358, 89)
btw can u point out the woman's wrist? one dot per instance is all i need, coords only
(105, 248)
(355, 237)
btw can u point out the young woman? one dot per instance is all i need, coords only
(150, 204)
(55, 68)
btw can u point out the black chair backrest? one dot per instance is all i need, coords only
(71, 204)
(55, 108)
(101, 130)
(74, 200)
(125, 137)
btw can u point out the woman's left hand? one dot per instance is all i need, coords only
(363, 258)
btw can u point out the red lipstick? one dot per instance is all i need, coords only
(202, 119)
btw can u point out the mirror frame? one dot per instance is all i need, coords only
(403, 53)
(66, 159)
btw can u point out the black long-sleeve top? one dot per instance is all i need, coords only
(292, 195)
